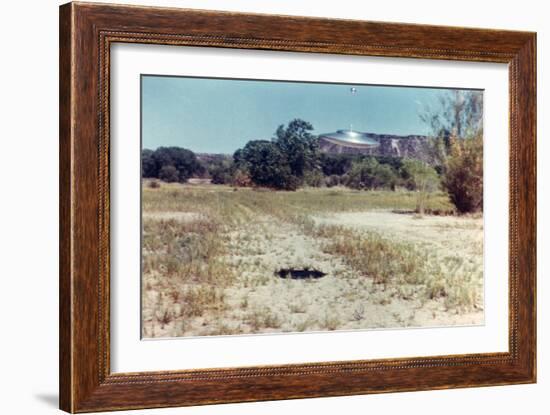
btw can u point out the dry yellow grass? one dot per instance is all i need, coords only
(210, 256)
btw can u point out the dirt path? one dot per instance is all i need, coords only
(262, 302)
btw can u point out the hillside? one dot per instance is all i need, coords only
(410, 146)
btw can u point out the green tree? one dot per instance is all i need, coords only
(284, 162)
(148, 165)
(267, 165)
(239, 160)
(425, 181)
(299, 146)
(184, 161)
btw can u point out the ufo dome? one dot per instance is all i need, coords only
(350, 138)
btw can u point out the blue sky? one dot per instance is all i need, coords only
(222, 115)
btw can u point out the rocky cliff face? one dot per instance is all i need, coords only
(410, 146)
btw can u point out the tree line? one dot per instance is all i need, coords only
(292, 159)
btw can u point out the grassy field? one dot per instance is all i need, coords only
(211, 256)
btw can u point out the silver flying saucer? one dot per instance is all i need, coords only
(350, 138)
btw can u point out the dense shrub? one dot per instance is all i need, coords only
(332, 180)
(241, 178)
(369, 174)
(155, 163)
(339, 164)
(336, 164)
(314, 178)
(169, 174)
(221, 172)
(463, 178)
(457, 146)
(394, 162)
(413, 172)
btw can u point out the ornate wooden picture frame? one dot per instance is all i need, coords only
(87, 32)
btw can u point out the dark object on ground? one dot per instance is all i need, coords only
(154, 184)
(300, 274)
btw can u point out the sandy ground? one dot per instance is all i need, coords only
(179, 216)
(434, 230)
(262, 302)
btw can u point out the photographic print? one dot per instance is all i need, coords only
(275, 206)
(313, 207)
